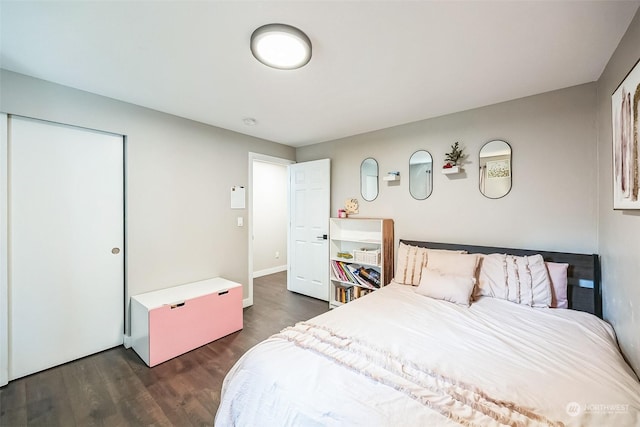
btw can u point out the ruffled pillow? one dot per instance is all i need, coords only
(411, 260)
(520, 279)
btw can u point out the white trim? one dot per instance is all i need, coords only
(268, 271)
(126, 341)
(253, 157)
(4, 245)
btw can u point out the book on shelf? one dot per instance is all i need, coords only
(356, 274)
(348, 293)
(371, 275)
(359, 278)
(338, 273)
(343, 293)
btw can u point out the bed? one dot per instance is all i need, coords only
(399, 358)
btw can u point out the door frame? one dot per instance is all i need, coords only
(253, 157)
(4, 245)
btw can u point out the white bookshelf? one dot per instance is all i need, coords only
(362, 239)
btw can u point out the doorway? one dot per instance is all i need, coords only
(268, 217)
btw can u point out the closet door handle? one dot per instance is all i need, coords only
(115, 251)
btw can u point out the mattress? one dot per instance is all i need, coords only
(398, 358)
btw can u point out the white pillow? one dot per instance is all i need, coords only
(558, 276)
(456, 289)
(523, 280)
(492, 277)
(453, 264)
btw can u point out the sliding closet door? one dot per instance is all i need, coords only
(66, 226)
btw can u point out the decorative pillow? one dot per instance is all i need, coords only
(492, 277)
(453, 264)
(411, 259)
(558, 276)
(456, 289)
(520, 279)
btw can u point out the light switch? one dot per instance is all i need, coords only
(240, 221)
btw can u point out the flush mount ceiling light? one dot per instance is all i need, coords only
(281, 46)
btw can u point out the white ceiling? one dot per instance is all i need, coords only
(375, 64)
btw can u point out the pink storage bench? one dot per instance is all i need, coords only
(173, 321)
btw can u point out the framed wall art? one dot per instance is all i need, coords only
(625, 106)
(499, 169)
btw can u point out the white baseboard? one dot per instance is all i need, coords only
(268, 271)
(247, 302)
(127, 341)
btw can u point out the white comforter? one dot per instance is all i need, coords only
(396, 358)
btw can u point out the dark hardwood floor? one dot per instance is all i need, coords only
(116, 388)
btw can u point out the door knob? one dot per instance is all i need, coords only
(115, 251)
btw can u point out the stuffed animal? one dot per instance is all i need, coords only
(351, 206)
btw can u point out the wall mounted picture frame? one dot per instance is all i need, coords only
(499, 169)
(625, 108)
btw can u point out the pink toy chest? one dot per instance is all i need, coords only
(173, 321)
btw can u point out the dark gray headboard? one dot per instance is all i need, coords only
(584, 271)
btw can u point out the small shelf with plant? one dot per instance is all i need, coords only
(453, 160)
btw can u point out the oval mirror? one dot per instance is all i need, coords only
(495, 169)
(369, 179)
(420, 176)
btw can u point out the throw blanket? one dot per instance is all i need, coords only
(444, 395)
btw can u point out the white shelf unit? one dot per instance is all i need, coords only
(452, 170)
(348, 236)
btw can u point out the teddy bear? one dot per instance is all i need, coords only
(351, 206)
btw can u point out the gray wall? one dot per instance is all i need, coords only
(619, 231)
(180, 227)
(551, 206)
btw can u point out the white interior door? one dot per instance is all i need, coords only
(66, 235)
(309, 226)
